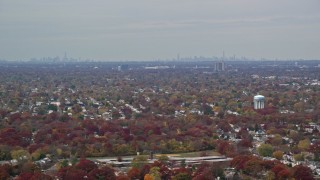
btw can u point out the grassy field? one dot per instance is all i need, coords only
(193, 154)
(189, 154)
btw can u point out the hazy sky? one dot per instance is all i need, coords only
(152, 29)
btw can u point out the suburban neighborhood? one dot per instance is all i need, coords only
(233, 120)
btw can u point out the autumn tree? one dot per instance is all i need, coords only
(298, 157)
(270, 175)
(302, 172)
(276, 140)
(34, 176)
(134, 173)
(253, 167)
(207, 171)
(4, 173)
(265, 150)
(71, 173)
(163, 158)
(182, 176)
(122, 177)
(144, 170)
(20, 155)
(139, 161)
(104, 172)
(148, 177)
(225, 147)
(29, 167)
(284, 174)
(277, 154)
(5, 152)
(315, 148)
(304, 144)
(155, 173)
(279, 170)
(86, 165)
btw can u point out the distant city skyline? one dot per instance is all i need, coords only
(65, 58)
(153, 29)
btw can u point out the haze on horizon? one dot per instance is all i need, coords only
(159, 29)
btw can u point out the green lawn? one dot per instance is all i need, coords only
(194, 154)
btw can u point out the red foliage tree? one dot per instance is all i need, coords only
(281, 171)
(204, 172)
(253, 166)
(25, 176)
(134, 173)
(105, 172)
(315, 148)
(122, 177)
(269, 164)
(86, 165)
(302, 172)
(277, 168)
(4, 173)
(34, 176)
(164, 170)
(284, 174)
(12, 137)
(239, 161)
(144, 170)
(182, 170)
(33, 147)
(224, 147)
(245, 143)
(71, 173)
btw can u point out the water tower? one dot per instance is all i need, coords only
(258, 102)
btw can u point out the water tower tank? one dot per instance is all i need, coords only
(258, 101)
